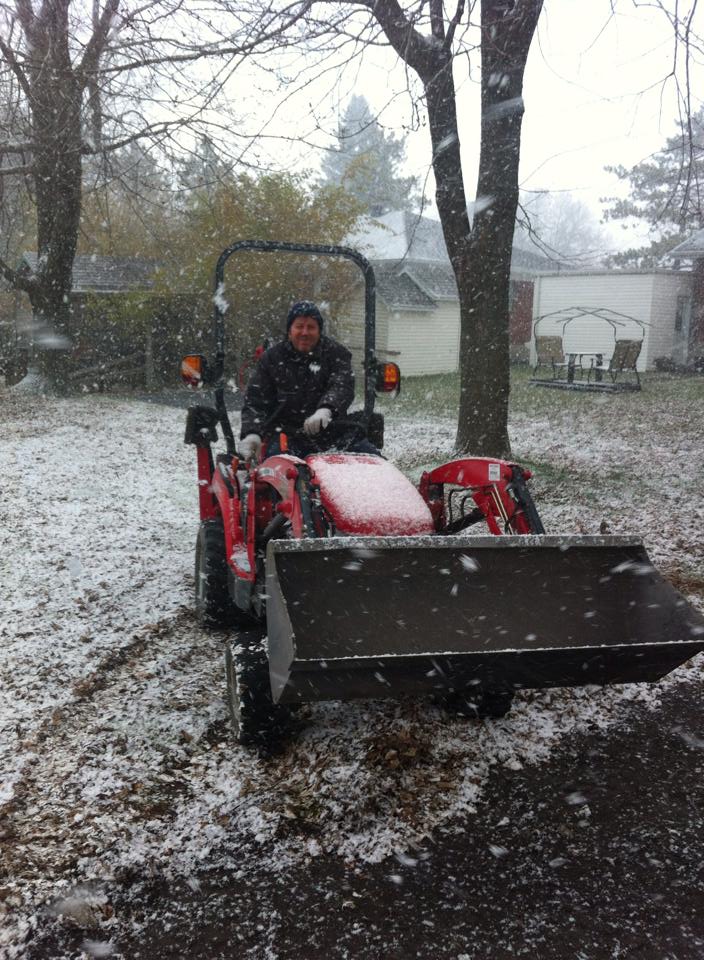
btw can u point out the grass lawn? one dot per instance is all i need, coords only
(439, 395)
(626, 463)
(667, 413)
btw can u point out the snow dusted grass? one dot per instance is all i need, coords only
(115, 753)
(629, 461)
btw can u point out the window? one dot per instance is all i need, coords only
(681, 312)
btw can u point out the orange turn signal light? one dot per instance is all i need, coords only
(388, 378)
(192, 370)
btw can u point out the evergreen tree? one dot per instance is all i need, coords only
(366, 160)
(204, 168)
(666, 191)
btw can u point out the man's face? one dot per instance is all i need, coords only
(304, 333)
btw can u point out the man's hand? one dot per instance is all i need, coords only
(251, 447)
(317, 421)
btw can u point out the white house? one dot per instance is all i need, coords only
(417, 307)
(655, 305)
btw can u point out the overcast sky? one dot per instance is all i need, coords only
(596, 93)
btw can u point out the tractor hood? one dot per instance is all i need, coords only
(364, 495)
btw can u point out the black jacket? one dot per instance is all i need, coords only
(299, 383)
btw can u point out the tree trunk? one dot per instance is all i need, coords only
(57, 133)
(480, 257)
(149, 377)
(56, 102)
(484, 370)
(484, 281)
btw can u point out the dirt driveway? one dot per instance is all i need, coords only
(596, 854)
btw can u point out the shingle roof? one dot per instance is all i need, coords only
(531, 262)
(425, 238)
(409, 237)
(691, 247)
(397, 289)
(99, 274)
(436, 279)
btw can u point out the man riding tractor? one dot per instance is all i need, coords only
(298, 388)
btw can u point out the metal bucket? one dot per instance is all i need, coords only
(383, 616)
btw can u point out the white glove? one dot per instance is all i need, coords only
(317, 421)
(251, 447)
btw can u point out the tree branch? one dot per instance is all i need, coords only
(27, 19)
(437, 20)
(454, 23)
(15, 171)
(6, 148)
(408, 43)
(151, 130)
(16, 68)
(96, 44)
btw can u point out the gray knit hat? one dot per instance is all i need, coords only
(304, 308)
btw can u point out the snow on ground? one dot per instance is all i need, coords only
(115, 753)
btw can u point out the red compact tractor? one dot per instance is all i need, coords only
(340, 579)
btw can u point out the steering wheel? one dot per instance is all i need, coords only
(345, 431)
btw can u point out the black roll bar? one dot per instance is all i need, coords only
(327, 250)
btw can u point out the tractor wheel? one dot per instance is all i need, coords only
(478, 704)
(213, 604)
(256, 719)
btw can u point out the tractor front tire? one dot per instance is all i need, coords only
(213, 604)
(256, 719)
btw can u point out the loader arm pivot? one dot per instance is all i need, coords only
(497, 488)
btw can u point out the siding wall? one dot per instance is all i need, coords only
(425, 342)
(420, 342)
(649, 297)
(349, 329)
(666, 289)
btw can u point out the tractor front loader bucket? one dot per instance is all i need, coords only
(383, 616)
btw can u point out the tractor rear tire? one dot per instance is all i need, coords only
(256, 719)
(488, 704)
(214, 606)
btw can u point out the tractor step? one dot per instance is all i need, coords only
(383, 616)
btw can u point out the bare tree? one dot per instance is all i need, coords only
(74, 85)
(562, 228)
(428, 40)
(49, 90)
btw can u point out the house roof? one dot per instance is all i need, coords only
(411, 264)
(530, 261)
(398, 290)
(617, 272)
(98, 274)
(437, 279)
(400, 235)
(691, 247)
(415, 284)
(409, 237)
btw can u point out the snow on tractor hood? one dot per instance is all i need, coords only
(365, 494)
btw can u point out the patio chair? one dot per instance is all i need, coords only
(623, 361)
(549, 352)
